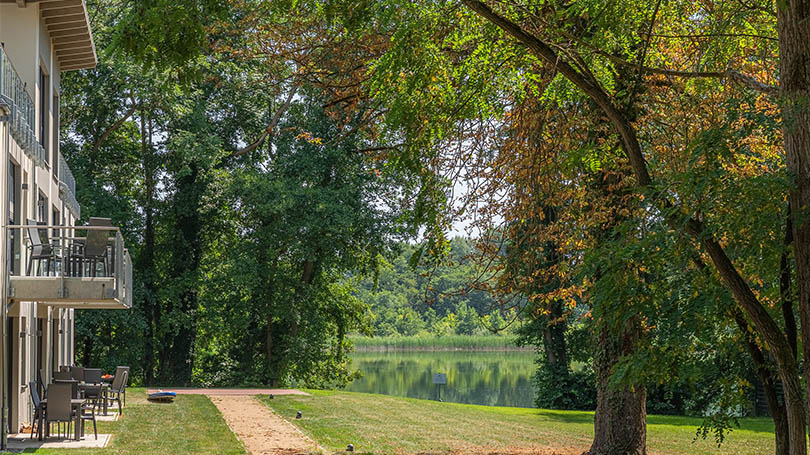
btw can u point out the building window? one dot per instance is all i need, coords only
(42, 208)
(56, 222)
(13, 188)
(56, 135)
(44, 131)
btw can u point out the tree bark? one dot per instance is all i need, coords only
(793, 25)
(786, 290)
(146, 258)
(620, 426)
(769, 380)
(554, 328)
(178, 346)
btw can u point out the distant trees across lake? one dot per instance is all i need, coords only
(435, 300)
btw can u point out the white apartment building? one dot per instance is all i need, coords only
(49, 272)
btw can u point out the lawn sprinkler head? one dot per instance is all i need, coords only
(350, 448)
(299, 415)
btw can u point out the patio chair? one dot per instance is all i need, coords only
(74, 386)
(120, 370)
(39, 249)
(32, 387)
(61, 375)
(118, 389)
(88, 411)
(43, 392)
(92, 375)
(77, 373)
(59, 408)
(95, 247)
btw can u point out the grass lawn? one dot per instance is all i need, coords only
(190, 425)
(392, 425)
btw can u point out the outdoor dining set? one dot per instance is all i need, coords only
(70, 256)
(76, 395)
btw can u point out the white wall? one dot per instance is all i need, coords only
(28, 46)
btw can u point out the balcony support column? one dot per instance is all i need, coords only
(4, 286)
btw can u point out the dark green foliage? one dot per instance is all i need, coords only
(242, 259)
(166, 33)
(556, 387)
(277, 303)
(439, 299)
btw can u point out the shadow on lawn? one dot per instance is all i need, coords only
(755, 424)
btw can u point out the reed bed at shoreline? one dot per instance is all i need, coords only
(438, 343)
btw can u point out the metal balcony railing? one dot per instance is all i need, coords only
(71, 266)
(67, 187)
(21, 110)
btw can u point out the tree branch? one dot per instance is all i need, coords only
(543, 51)
(115, 126)
(765, 324)
(271, 127)
(732, 75)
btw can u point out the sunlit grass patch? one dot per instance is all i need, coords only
(382, 424)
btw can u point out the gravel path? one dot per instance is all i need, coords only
(261, 430)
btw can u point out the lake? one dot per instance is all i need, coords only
(488, 378)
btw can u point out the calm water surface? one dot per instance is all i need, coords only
(488, 378)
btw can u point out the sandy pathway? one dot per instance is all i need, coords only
(261, 430)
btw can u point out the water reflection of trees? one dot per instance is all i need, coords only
(488, 378)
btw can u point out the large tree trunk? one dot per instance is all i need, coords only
(146, 258)
(554, 337)
(768, 379)
(186, 253)
(793, 23)
(620, 422)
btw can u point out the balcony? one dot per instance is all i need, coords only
(67, 187)
(20, 110)
(82, 267)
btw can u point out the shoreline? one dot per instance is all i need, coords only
(394, 348)
(429, 343)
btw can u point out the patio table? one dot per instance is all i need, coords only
(76, 404)
(75, 254)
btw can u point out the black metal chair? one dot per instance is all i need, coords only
(39, 250)
(77, 373)
(95, 248)
(92, 375)
(43, 392)
(35, 401)
(74, 386)
(118, 389)
(62, 375)
(88, 411)
(120, 370)
(59, 408)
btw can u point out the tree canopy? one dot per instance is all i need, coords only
(635, 170)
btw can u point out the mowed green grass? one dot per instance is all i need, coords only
(190, 425)
(381, 424)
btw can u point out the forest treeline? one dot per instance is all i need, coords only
(435, 300)
(634, 173)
